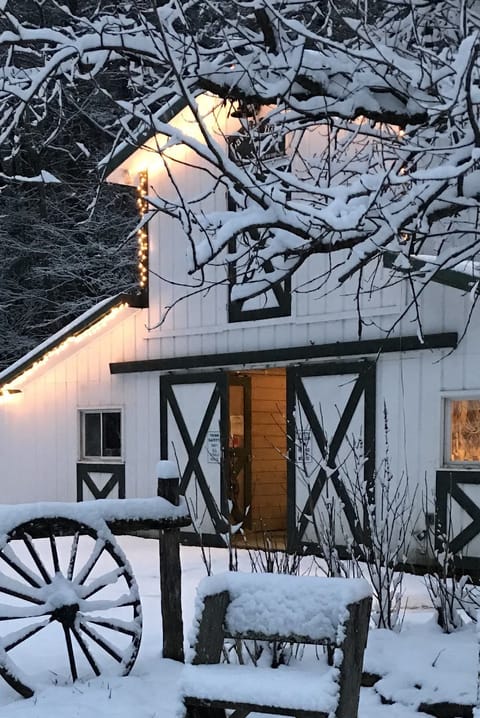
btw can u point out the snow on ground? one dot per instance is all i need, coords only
(419, 664)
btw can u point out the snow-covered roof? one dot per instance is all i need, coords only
(76, 327)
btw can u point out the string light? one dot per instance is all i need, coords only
(142, 232)
(6, 390)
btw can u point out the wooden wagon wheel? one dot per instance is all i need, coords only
(61, 579)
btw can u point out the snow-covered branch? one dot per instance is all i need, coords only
(391, 94)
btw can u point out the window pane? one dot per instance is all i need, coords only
(465, 430)
(92, 434)
(111, 433)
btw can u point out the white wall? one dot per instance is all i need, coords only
(39, 428)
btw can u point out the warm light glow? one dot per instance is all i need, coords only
(6, 391)
(8, 395)
(465, 430)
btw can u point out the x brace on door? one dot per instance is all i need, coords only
(364, 385)
(193, 467)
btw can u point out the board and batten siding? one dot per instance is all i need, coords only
(39, 428)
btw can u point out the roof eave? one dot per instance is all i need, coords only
(20, 367)
(125, 149)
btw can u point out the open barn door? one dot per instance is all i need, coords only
(193, 433)
(331, 450)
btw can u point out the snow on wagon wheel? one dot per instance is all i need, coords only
(69, 604)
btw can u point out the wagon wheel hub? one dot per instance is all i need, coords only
(66, 615)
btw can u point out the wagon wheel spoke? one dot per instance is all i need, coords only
(113, 625)
(71, 654)
(17, 590)
(90, 564)
(73, 555)
(14, 682)
(12, 560)
(27, 540)
(108, 605)
(101, 642)
(53, 548)
(107, 579)
(23, 634)
(86, 652)
(19, 613)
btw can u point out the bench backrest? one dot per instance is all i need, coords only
(297, 609)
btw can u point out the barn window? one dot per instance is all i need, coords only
(101, 434)
(254, 143)
(462, 431)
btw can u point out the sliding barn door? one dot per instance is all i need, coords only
(193, 425)
(331, 436)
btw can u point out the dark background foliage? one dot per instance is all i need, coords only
(66, 246)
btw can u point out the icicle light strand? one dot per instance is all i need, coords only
(142, 232)
(7, 390)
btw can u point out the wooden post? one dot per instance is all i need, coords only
(170, 568)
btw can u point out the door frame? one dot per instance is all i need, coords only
(242, 379)
(365, 385)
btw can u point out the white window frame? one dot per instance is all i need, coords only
(447, 398)
(83, 456)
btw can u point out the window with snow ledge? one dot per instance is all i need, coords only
(462, 432)
(256, 142)
(276, 302)
(100, 434)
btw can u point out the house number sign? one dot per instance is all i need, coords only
(305, 441)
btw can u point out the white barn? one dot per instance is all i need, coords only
(266, 406)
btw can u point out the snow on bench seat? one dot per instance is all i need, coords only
(310, 608)
(293, 687)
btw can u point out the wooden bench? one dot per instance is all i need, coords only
(274, 607)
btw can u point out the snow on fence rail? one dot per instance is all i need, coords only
(309, 608)
(154, 512)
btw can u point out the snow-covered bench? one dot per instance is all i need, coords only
(273, 607)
